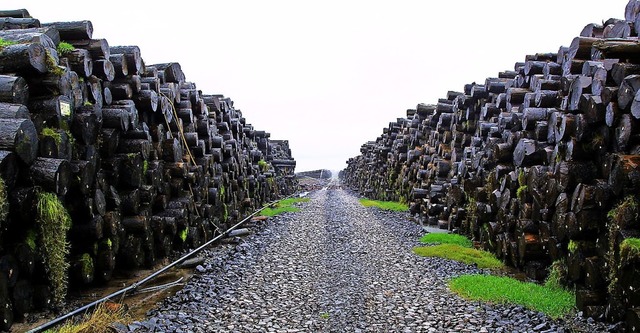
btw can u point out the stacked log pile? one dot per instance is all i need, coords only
(143, 161)
(538, 164)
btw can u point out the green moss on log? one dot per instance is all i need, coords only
(53, 224)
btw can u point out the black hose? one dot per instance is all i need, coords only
(136, 285)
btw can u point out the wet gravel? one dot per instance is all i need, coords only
(336, 267)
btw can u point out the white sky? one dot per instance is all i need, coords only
(330, 75)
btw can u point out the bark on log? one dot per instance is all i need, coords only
(52, 174)
(21, 137)
(28, 59)
(13, 89)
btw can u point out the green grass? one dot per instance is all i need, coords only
(64, 48)
(283, 206)
(4, 42)
(555, 302)
(444, 238)
(462, 254)
(386, 205)
(629, 250)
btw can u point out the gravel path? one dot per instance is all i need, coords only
(335, 267)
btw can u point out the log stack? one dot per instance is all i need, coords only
(539, 164)
(143, 161)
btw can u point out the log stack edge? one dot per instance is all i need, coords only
(144, 163)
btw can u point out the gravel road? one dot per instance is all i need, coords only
(336, 266)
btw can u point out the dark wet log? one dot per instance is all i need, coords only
(172, 150)
(172, 72)
(616, 48)
(80, 61)
(627, 92)
(52, 174)
(612, 114)
(119, 63)
(9, 168)
(120, 91)
(594, 109)
(621, 70)
(569, 174)
(138, 225)
(626, 132)
(16, 111)
(103, 69)
(19, 136)
(130, 204)
(624, 175)
(7, 23)
(46, 37)
(72, 30)
(13, 89)
(110, 139)
(85, 127)
(55, 144)
(146, 100)
(132, 56)
(528, 152)
(580, 48)
(98, 48)
(48, 111)
(532, 115)
(116, 118)
(27, 59)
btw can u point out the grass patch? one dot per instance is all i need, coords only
(386, 205)
(462, 254)
(64, 48)
(4, 43)
(101, 320)
(53, 224)
(629, 250)
(283, 206)
(443, 238)
(554, 302)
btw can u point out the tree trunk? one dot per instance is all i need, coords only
(13, 89)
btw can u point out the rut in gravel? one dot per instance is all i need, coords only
(336, 266)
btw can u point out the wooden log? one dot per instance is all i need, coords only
(132, 55)
(528, 152)
(116, 118)
(146, 100)
(98, 48)
(7, 23)
(52, 174)
(19, 136)
(103, 69)
(80, 61)
(626, 132)
(627, 91)
(119, 63)
(13, 89)
(620, 70)
(623, 174)
(26, 59)
(85, 127)
(46, 37)
(172, 72)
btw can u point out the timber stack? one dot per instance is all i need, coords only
(318, 174)
(539, 164)
(109, 164)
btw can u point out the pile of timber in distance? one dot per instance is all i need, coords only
(319, 174)
(539, 164)
(143, 161)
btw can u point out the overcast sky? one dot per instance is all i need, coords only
(330, 75)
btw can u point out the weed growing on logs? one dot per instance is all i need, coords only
(620, 217)
(629, 251)
(557, 275)
(554, 302)
(54, 222)
(52, 133)
(52, 65)
(87, 264)
(64, 48)
(4, 202)
(4, 43)
(442, 238)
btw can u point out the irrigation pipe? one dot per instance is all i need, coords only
(133, 287)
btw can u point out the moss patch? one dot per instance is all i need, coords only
(5, 43)
(557, 275)
(64, 48)
(4, 202)
(283, 206)
(52, 133)
(629, 250)
(53, 223)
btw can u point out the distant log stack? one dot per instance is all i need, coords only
(318, 174)
(143, 161)
(539, 164)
